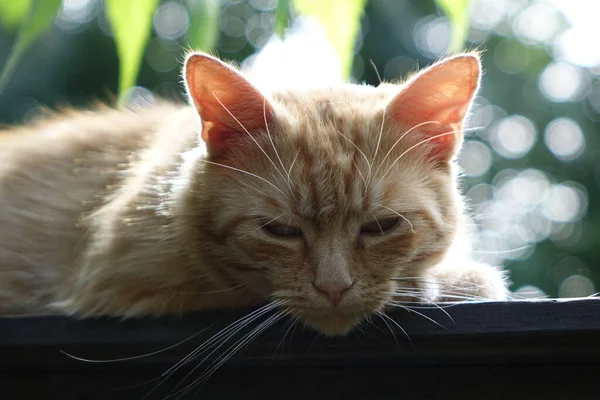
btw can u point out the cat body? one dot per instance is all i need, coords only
(333, 202)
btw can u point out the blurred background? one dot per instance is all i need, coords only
(531, 169)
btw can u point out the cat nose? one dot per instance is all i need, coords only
(333, 290)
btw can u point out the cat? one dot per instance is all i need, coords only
(333, 204)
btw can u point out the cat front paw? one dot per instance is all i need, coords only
(472, 282)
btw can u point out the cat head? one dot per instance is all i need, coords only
(333, 201)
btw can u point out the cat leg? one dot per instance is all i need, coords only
(470, 281)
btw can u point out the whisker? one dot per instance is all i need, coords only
(234, 348)
(221, 290)
(429, 139)
(431, 304)
(399, 139)
(292, 165)
(88, 360)
(376, 72)
(441, 309)
(384, 315)
(271, 140)
(360, 173)
(457, 283)
(422, 305)
(401, 216)
(288, 225)
(235, 326)
(379, 313)
(378, 144)
(359, 150)
(230, 330)
(377, 221)
(464, 297)
(265, 224)
(249, 134)
(456, 295)
(293, 319)
(501, 251)
(241, 182)
(397, 304)
(246, 172)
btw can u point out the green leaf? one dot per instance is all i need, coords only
(282, 17)
(341, 19)
(131, 22)
(458, 14)
(13, 12)
(203, 33)
(38, 18)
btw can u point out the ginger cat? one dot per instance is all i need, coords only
(333, 203)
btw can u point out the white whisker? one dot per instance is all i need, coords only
(265, 224)
(502, 251)
(246, 172)
(400, 138)
(376, 72)
(377, 147)
(271, 140)
(360, 173)
(88, 360)
(241, 182)
(377, 221)
(293, 320)
(397, 304)
(401, 216)
(222, 336)
(384, 315)
(291, 166)
(250, 135)
(429, 139)
(379, 313)
(359, 150)
(234, 348)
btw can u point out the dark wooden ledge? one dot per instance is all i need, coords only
(488, 350)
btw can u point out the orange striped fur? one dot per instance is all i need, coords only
(155, 210)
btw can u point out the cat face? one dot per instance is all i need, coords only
(327, 199)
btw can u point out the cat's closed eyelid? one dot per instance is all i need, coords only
(380, 226)
(280, 230)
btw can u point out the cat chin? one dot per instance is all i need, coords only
(330, 323)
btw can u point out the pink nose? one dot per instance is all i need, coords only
(333, 290)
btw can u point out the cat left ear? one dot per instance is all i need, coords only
(439, 97)
(228, 104)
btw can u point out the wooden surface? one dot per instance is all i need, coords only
(529, 350)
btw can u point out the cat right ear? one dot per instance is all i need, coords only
(228, 104)
(438, 98)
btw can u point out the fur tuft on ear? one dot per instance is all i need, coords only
(228, 104)
(439, 97)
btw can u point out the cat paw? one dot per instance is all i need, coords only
(474, 281)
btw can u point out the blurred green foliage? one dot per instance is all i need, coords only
(13, 12)
(33, 22)
(203, 32)
(458, 14)
(131, 23)
(341, 19)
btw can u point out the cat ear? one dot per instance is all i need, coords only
(227, 103)
(442, 93)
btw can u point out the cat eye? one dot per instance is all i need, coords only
(282, 230)
(381, 226)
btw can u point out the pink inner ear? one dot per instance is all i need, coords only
(442, 93)
(227, 103)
